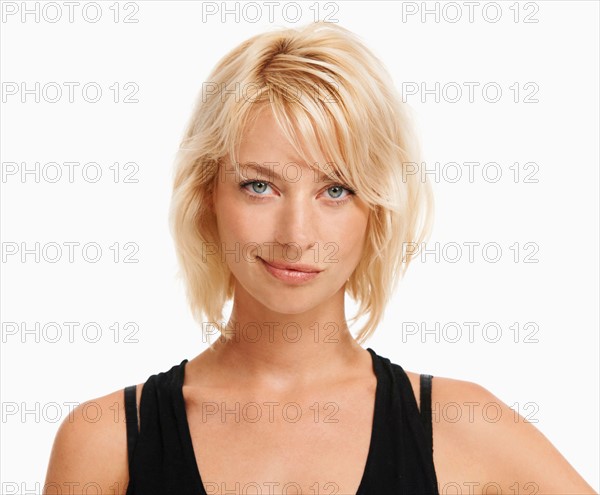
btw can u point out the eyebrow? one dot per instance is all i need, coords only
(270, 172)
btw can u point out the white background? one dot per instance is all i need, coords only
(168, 53)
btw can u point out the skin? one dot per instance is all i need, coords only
(468, 453)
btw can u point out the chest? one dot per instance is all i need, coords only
(308, 443)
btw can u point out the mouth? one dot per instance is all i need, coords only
(292, 267)
(291, 276)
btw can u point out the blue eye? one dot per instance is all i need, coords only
(257, 190)
(340, 188)
(259, 187)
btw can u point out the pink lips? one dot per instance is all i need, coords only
(293, 273)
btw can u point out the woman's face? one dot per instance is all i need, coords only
(289, 215)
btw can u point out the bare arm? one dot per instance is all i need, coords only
(498, 450)
(90, 448)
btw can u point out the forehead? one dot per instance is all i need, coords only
(262, 139)
(264, 143)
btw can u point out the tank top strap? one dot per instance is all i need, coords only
(403, 460)
(425, 407)
(131, 420)
(161, 454)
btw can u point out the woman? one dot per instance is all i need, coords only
(290, 190)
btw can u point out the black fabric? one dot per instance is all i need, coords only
(425, 405)
(131, 420)
(400, 458)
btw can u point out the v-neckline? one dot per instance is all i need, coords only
(189, 446)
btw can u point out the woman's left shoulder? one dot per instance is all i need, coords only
(510, 452)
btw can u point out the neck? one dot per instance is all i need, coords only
(267, 348)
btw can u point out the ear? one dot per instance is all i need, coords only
(211, 200)
(212, 192)
(212, 196)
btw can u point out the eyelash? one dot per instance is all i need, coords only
(255, 197)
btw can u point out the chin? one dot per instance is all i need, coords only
(288, 299)
(283, 304)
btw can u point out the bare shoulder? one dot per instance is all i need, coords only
(481, 444)
(90, 448)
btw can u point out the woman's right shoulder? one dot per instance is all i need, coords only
(90, 447)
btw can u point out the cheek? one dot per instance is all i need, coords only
(350, 227)
(237, 224)
(349, 236)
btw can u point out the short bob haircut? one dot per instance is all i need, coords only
(323, 84)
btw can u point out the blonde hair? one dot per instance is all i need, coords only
(343, 103)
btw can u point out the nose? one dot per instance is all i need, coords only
(296, 227)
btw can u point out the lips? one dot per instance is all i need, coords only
(297, 267)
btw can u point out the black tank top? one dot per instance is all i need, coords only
(400, 458)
